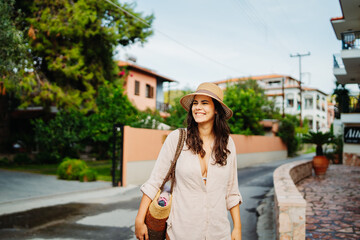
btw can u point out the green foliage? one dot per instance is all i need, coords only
(22, 158)
(342, 98)
(70, 169)
(61, 136)
(301, 130)
(4, 161)
(288, 135)
(178, 114)
(12, 46)
(113, 107)
(67, 133)
(88, 175)
(319, 139)
(72, 44)
(147, 119)
(249, 104)
(339, 146)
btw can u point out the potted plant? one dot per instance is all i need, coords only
(320, 162)
(338, 149)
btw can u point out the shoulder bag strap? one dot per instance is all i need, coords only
(171, 172)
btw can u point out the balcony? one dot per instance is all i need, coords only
(162, 107)
(350, 40)
(347, 63)
(339, 68)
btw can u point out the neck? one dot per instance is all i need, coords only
(206, 131)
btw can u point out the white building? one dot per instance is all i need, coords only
(286, 93)
(347, 71)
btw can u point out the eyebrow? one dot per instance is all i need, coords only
(201, 100)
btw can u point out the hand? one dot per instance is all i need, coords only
(236, 234)
(141, 231)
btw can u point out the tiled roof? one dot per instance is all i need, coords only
(260, 77)
(144, 70)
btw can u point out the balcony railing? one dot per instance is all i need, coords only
(338, 63)
(350, 40)
(162, 107)
(352, 107)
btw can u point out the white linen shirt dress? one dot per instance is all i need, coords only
(198, 211)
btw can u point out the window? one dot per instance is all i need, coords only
(289, 100)
(149, 91)
(308, 103)
(275, 83)
(137, 88)
(290, 103)
(311, 125)
(317, 102)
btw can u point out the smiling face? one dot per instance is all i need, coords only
(203, 109)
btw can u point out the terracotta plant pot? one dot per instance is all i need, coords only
(320, 164)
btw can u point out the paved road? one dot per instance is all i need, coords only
(112, 217)
(254, 183)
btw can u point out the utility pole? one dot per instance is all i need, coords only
(299, 56)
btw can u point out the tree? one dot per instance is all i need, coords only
(342, 98)
(72, 46)
(113, 107)
(12, 46)
(287, 133)
(178, 114)
(249, 104)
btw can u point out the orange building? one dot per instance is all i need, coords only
(144, 87)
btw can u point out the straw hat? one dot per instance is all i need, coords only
(207, 89)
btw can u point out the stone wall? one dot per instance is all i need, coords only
(290, 206)
(351, 159)
(142, 146)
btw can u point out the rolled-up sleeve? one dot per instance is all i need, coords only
(233, 196)
(162, 165)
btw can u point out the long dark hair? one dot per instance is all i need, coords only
(221, 131)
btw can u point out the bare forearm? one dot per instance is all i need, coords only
(144, 205)
(235, 215)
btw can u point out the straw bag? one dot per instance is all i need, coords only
(157, 215)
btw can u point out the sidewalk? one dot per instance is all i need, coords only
(21, 191)
(333, 203)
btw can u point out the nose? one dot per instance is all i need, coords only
(197, 106)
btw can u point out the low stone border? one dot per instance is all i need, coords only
(290, 206)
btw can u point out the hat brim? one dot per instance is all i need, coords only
(188, 99)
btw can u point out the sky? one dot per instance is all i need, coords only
(199, 41)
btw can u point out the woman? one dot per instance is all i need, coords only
(206, 173)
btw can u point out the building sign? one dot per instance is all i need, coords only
(352, 134)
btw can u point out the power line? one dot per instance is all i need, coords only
(174, 40)
(259, 20)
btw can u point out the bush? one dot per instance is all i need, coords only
(88, 175)
(288, 136)
(61, 136)
(22, 158)
(4, 161)
(70, 169)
